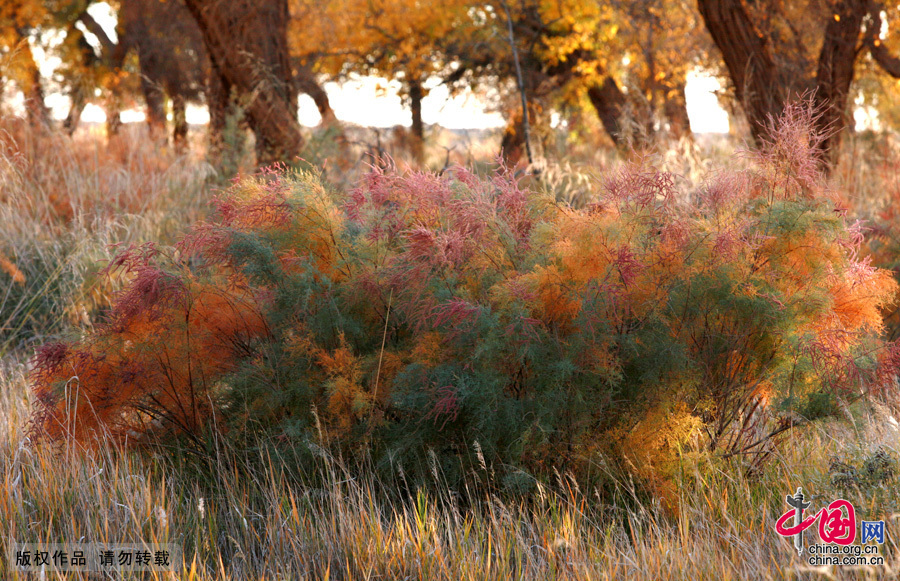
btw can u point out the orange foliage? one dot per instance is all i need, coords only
(154, 370)
(12, 270)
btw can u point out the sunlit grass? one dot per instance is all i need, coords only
(247, 518)
(63, 203)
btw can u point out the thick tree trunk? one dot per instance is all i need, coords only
(512, 144)
(609, 102)
(70, 124)
(515, 142)
(156, 107)
(80, 91)
(113, 120)
(764, 88)
(38, 113)
(247, 44)
(218, 99)
(835, 72)
(757, 81)
(32, 86)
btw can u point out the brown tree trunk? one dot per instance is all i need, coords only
(611, 104)
(38, 113)
(179, 121)
(247, 44)
(512, 144)
(218, 99)
(764, 89)
(835, 72)
(70, 124)
(416, 94)
(113, 119)
(33, 88)
(156, 107)
(757, 81)
(80, 91)
(515, 143)
(675, 110)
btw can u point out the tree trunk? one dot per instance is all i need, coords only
(156, 107)
(835, 72)
(512, 145)
(179, 121)
(32, 87)
(113, 119)
(764, 89)
(416, 94)
(675, 110)
(70, 124)
(247, 44)
(307, 83)
(218, 99)
(515, 142)
(611, 104)
(757, 81)
(38, 113)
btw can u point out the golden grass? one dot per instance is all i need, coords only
(259, 524)
(64, 201)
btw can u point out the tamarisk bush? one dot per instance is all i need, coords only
(455, 313)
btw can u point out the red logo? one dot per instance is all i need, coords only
(837, 521)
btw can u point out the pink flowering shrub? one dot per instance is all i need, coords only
(425, 312)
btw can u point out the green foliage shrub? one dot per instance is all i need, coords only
(490, 325)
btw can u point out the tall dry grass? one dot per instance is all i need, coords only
(247, 518)
(64, 202)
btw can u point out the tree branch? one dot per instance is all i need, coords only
(888, 62)
(94, 28)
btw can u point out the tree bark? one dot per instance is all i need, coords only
(757, 81)
(179, 121)
(835, 72)
(73, 118)
(416, 94)
(221, 105)
(38, 113)
(675, 110)
(512, 144)
(888, 62)
(611, 105)
(247, 44)
(31, 85)
(155, 99)
(764, 88)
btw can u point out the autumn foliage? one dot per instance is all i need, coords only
(424, 311)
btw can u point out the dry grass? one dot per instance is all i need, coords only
(63, 202)
(252, 521)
